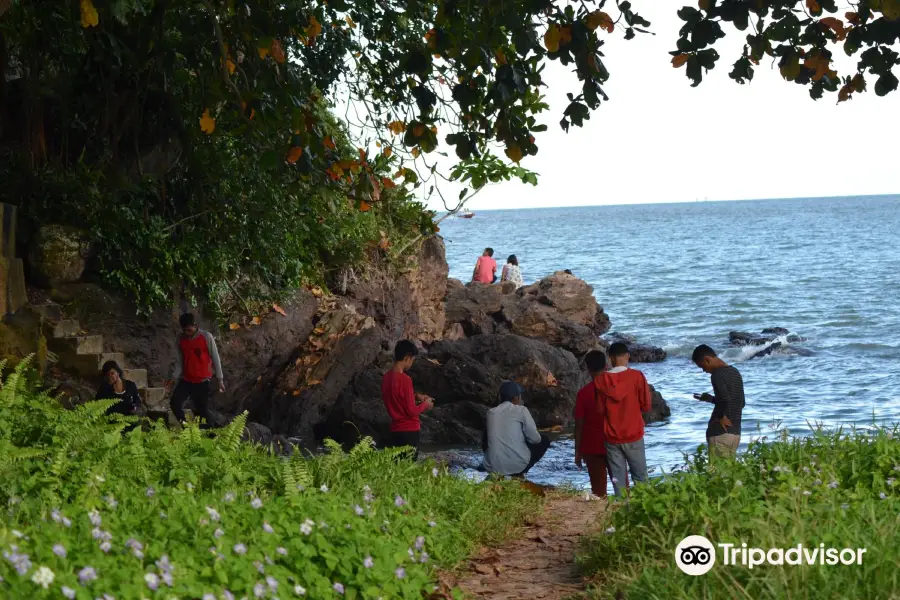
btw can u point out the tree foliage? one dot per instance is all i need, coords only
(162, 124)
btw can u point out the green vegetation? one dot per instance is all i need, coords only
(155, 514)
(840, 489)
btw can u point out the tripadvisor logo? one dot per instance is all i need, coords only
(696, 555)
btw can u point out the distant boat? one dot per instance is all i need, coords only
(465, 214)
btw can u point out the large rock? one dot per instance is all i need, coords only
(640, 353)
(58, 254)
(659, 409)
(476, 308)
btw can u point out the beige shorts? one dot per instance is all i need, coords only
(724, 445)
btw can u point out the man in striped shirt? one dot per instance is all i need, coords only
(723, 433)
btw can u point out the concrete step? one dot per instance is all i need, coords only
(154, 398)
(50, 312)
(66, 329)
(79, 345)
(138, 376)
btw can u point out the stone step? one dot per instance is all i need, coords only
(138, 376)
(78, 345)
(116, 357)
(49, 312)
(154, 398)
(66, 329)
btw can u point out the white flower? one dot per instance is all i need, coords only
(833, 484)
(96, 519)
(189, 486)
(219, 532)
(43, 577)
(807, 493)
(229, 497)
(256, 503)
(299, 590)
(213, 513)
(434, 472)
(152, 580)
(268, 528)
(306, 527)
(17, 533)
(106, 546)
(610, 530)
(111, 501)
(738, 483)
(68, 592)
(324, 488)
(882, 495)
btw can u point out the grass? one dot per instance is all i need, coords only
(92, 513)
(837, 488)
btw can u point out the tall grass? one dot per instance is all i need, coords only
(840, 489)
(92, 513)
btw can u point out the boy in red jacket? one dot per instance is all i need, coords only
(590, 416)
(400, 399)
(625, 395)
(198, 360)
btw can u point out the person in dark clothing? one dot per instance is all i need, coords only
(400, 399)
(198, 360)
(115, 386)
(723, 433)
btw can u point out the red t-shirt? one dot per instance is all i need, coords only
(485, 269)
(400, 401)
(197, 364)
(589, 406)
(625, 396)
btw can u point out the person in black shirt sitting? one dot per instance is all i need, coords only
(116, 386)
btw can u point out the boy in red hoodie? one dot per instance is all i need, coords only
(625, 395)
(400, 399)
(590, 416)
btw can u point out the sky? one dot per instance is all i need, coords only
(660, 140)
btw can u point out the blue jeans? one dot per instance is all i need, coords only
(622, 458)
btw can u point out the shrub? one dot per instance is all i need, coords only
(834, 488)
(97, 513)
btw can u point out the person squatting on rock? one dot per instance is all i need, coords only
(723, 433)
(625, 395)
(198, 360)
(400, 399)
(485, 267)
(590, 417)
(511, 441)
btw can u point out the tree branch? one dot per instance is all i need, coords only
(223, 52)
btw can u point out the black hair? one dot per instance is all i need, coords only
(112, 365)
(595, 361)
(489, 251)
(403, 349)
(568, 271)
(513, 260)
(703, 351)
(617, 349)
(186, 320)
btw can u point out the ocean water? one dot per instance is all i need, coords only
(678, 275)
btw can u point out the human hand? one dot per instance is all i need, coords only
(428, 404)
(704, 397)
(221, 387)
(579, 462)
(169, 385)
(725, 422)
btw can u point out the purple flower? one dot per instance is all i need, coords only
(229, 497)
(281, 551)
(213, 513)
(399, 501)
(240, 549)
(152, 581)
(272, 583)
(59, 550)
(368, 562)
(259, 567)
(167, 579)
(432, 524)
(268, 528)
(833, 484)
(56, 515)
(256, 503)
(359, 510)
(259, 590)
(226, 595)
(209, 597)
(68, 592)
(368, 497)
(400, 572)
(339, 588)
(111, 501)
(163, 563)
(420, 542)
(67, 522)
(96, 519)
(150, 492)
(434, 472)
(87, 575)
(423, 558)
(882, 495)
(219, 532)
(106, 547)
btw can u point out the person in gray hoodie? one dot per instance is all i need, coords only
(511, 441)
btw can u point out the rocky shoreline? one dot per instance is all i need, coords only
(312, 369)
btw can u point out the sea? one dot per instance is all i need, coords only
(679, 275)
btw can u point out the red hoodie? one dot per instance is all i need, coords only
(626, 395)
(400, 401)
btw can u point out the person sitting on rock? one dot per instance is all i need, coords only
(511, 272)
(115, 386)
(511, 442)
(590, 417)
(198, 360)
(485, 268)
(723, 433)
(400, 399)
(625, 395)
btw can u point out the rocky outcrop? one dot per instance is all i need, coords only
(774, 340)
(58, 254)
(640, 353)
(659, 409)
(559, 310)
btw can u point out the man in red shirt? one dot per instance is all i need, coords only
(400, 399)
(485, 267)
(625, 396)
(590, 436)
(198, 360)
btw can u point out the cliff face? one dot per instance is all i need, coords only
(315, 370)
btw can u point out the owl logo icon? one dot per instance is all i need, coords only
(695, 555)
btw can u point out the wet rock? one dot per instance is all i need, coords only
(659, 409)
(257, 433)
(743, 338)
(58, 254)
(640, 353)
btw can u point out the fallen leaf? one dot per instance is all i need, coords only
(294, 154)
(207, 123)
(484, 569)
(313, 382)
(255, 321)
(434, 361)
(234, 326)
(297, 392)
(678, 61)
(279, 310)
(600, 19)
(319, 330)
(89, 16)
(364, 206)
(316, 291)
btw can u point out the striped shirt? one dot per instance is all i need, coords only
(728, 389)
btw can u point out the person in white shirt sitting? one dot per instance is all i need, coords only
(511, 272)
(511, 441)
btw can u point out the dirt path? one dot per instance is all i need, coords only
(540, 564)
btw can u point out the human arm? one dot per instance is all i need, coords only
(484, 439)
(214, 357)
(135, 396)
(644, 396)
(179, 362)
(475, 270)
(504, 274)
(409, 401)
(529, 428)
